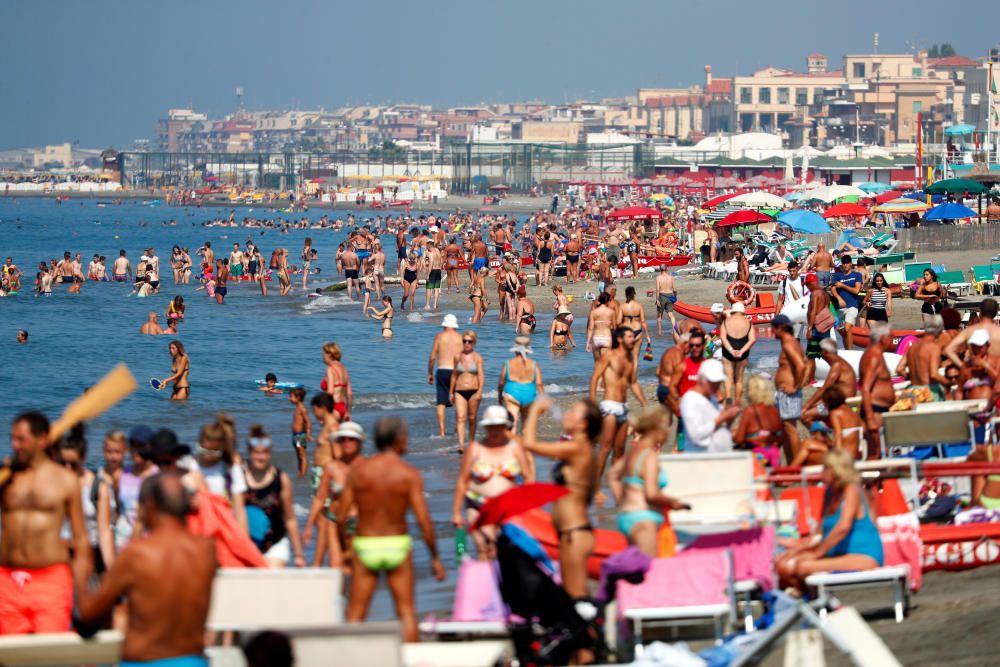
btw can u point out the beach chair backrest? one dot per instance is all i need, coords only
(810, 503)
(915, 270)
(914, 429)
(752, 550)
(717, 486)
(951, 277)
(63, 648)
(983, 273)
(274, 599)
(354, 645)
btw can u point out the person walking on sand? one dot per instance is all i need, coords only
(447, 346)
(792, 375)
(383, 488)
(666, 297)
(36, 571)
(166, 578)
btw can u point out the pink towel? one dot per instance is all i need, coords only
(685, 580)
(477, 593)
(901, 543)
(753, 553)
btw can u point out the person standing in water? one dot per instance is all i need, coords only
(301, 427)
(221, 280)
(307, 257)
(180, 366)
(383, 488)
(447, 346)
(385, 315)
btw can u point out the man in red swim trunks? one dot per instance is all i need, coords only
(36, 584)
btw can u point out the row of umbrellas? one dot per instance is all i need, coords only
(810, 222)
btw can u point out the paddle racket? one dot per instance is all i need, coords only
(155, 384)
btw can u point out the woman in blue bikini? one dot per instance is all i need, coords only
(637, 482)
(850, 539)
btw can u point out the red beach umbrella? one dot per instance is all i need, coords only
(745, 217)
(845, 210)
(715, 201)
(634, 213)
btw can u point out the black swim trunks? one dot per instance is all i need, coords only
(442, 381)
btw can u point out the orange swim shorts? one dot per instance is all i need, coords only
(33, 601)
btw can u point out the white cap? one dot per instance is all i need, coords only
(717, 308)
(712, 370)
(979, 337)
(350, 430)
(495, 415)
(738, 307)
(449, 321)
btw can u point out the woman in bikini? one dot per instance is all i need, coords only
(385, 315)
(561, 301)
(221, 279)
(634, 317)
(177, 263)
(520, 380)
(524, 316)
(575, 469)
(760, 428)
(931, 292)
(327, 498)
(637, 483)
(337, 382)
(847, 432)
(467, 388)
(477, 295)
(599, 326)
(180, 366)
(489, 468)
(410, 275)
(560, 336)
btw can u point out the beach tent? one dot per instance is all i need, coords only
(949, 211)
(807, 222)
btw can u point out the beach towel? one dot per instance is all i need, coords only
(753, 553)
(901, 544)
(477, 593)
(687, 579)
(214, 518)
(630, 565)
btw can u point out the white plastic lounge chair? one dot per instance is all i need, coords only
(62, 648)
(719, 487)
(351, 645)
(274, 599)
(894, 577)
(936, 425)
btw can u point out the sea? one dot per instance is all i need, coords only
(76, 339)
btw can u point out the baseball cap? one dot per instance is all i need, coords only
(712, 370)
(781, 321)
(165, 443)
(449, 321)
(495, 415)
(811, 279)
(819, 427)
(738, 307)
(979, 337)
(717, 308)
(350, 430)
(140, 436)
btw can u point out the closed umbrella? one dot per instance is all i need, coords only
(845, 210)
(956, 186)
(801, 220)
(949, 211)
(760, 200)
(715, 201)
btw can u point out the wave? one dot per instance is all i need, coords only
(769, 362)
(325, 303)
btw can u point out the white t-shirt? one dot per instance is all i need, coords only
(216, 478)
(700, 434)
(793, 289)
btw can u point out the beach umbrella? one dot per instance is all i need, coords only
(949, 211)
(845, 210)
(388, 184)
(888, 195)
(801, 220)
(901, 205)
(744, 217)
(518, 500)
(317, 180)
(500, 187)
(831, 193)
(715, 201)
(957, 130)
(634, 213)
(794, 196)
(873, 188)
(956, 186)
(760, 200)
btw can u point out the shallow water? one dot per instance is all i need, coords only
(76, 338)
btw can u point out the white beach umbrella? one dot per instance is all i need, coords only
(760, 200)
(831, 193)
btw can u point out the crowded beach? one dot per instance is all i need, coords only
(728, 492)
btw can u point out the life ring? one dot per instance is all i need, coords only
(741, 292)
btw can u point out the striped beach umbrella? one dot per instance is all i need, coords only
(901, 205)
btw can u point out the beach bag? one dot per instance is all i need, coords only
(824, 320)
(477, 592)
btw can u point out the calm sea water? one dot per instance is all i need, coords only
(75, 339)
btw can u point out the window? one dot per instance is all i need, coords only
(764, 95)
(918, 106)
(746, 95)
(801, 96)
(858, 70)
(782, 96)
(818, 97)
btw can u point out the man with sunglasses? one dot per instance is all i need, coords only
(685, 378)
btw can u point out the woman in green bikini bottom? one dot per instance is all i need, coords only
(383, 488)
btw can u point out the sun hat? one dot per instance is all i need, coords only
(350, 430)
(522, 345)
(495, 415)
(712, 370)
(979, 337)
(738, 307)
(449, 322)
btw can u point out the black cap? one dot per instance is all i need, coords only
(165, 444)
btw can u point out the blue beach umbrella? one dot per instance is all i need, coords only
(950, 211)
(794, 196)
(956, 130)
(807, 222)
(873, 188)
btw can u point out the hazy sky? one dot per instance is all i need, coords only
(102, 73)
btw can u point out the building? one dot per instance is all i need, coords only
(565, 132)
(55, 155)
(178, 122)
(978, 87)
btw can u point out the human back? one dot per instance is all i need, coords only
(382, 486)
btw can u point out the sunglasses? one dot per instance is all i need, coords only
(470, 342)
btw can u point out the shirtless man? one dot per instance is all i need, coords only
(877, 394)
(207, 254)
(351, 265)
(819, 322)
(742, 266)
(36, 582)
(498, 236)
(447, 347)
(64, 269)
(153, 270)
(480, 258)
(666, 296)
(841, 376)
(401, 248)
(987, 320)
(434, 262)
(165, 575)
(821, 262)
(714, 246)
(572, 250)
(363, 247)
(307, 257)
(236, 262)
(617, 369)
(384, 488)
(672, 358)
(151, 326)
(791, 376)
(922, 361)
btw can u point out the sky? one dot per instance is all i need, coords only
(102, 73)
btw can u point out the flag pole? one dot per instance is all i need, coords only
(989, 115)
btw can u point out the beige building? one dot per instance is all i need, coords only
(559, 132)
(57, 154)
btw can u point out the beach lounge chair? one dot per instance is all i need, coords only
(954, 281)
(939, 429)
(914, 271)
(688, 589)
(983, 275)
(62, 648)
(894, 577)
(274, 599)
(354, 645)
(719, 487)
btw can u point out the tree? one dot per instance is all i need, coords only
(941, 51)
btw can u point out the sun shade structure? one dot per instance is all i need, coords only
(830, 193)
(949, 211)
(902, 205)
(807, 222)
(744, 217)
(956, 186)
(760, 200)
(873, 188)
(958, 130)
(715, 201)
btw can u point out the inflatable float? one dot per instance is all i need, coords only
(539, 524)
(281, 385)
(853, 357)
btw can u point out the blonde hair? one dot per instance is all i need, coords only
(760, 390)
(841, 462)
(333, 350)
(471, 334)
(118, 437)
(222, 429)
(654, 416)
